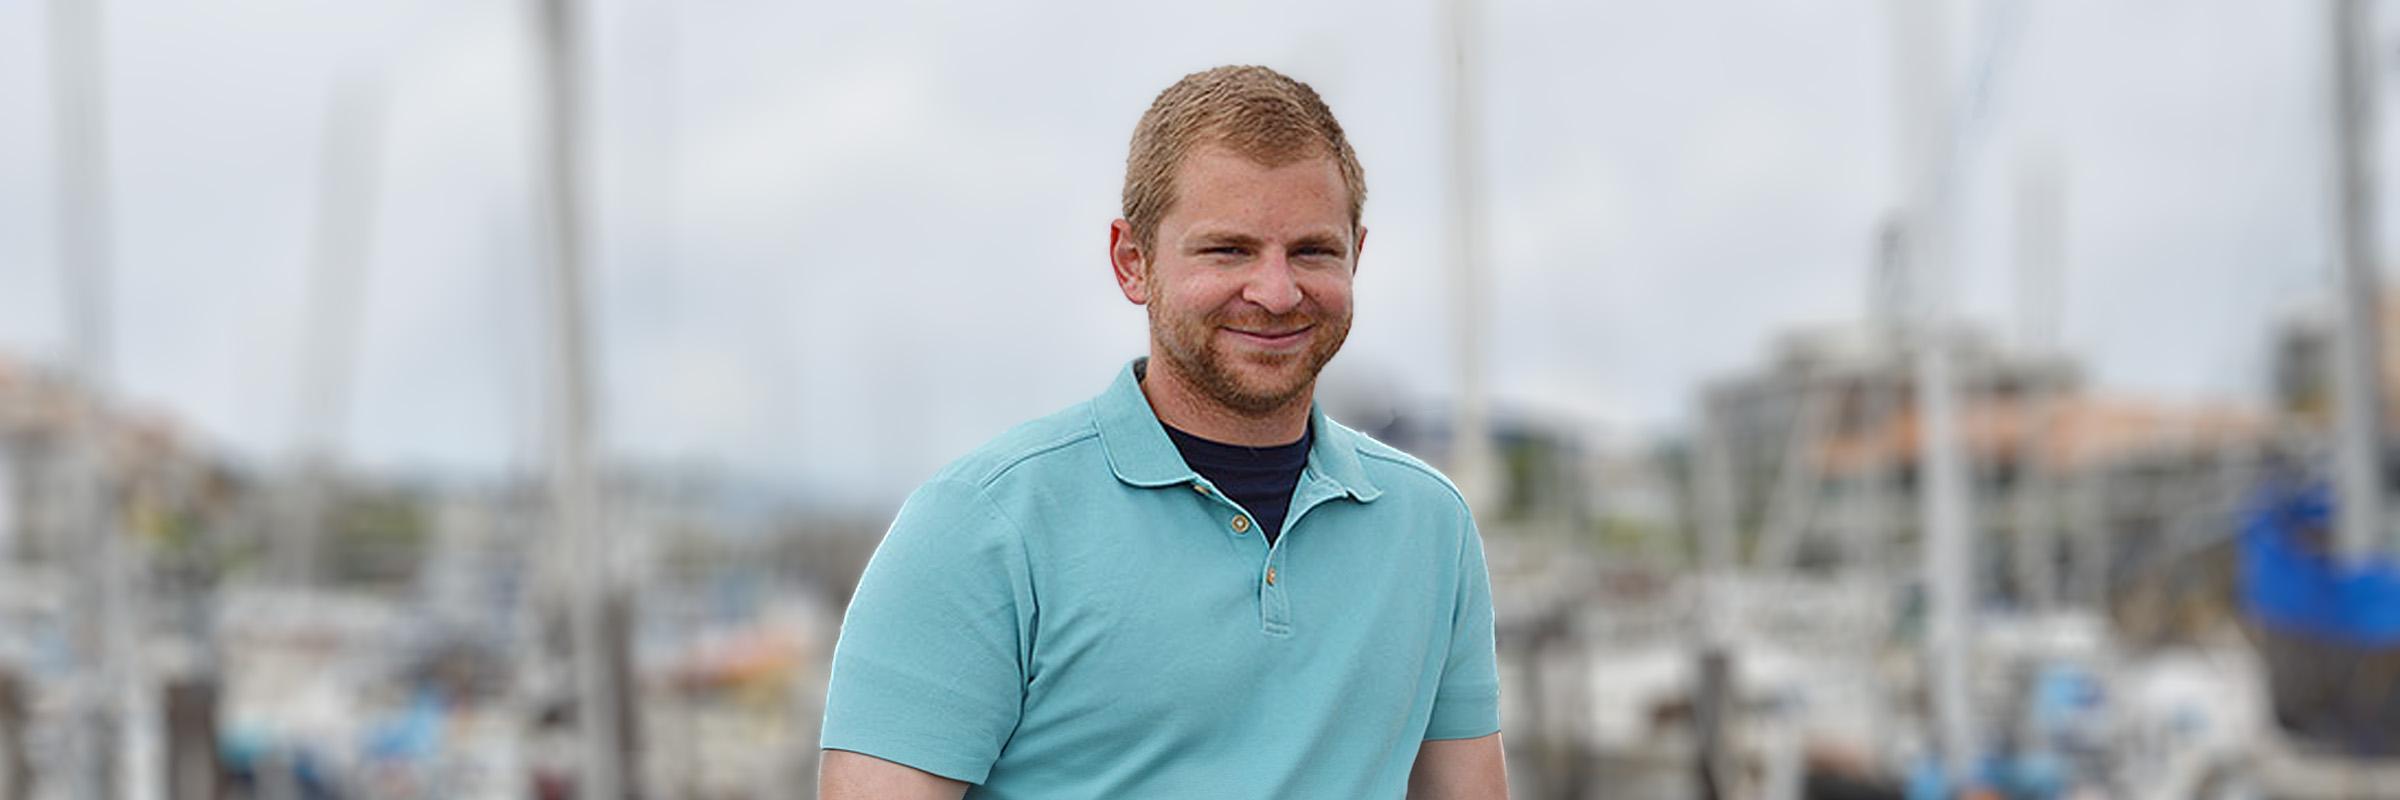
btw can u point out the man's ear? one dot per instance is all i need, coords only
(1358, 250)
(1131, 265)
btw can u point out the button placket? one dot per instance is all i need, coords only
(1274, 607)
(1275, 613)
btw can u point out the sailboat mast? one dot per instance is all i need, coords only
(1471, 466)
(574, 492)
(2357, 371)
(110, 745)
(1927, 150)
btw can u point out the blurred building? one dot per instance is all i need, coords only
(1829, 392)
(180, 510)
(1824, 444)
(162, 499)
(169, 489)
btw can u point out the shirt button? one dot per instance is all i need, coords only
(1240, 523)
(1270, 576)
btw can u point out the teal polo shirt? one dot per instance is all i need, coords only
(1071, 612)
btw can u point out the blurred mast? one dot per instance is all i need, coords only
(1792, 510)
(1873, 524)
(1873, 527)
(2357, 371)
(1470, 434)
(1712, 655)
(108, 747)
(338, 248)
(574, 495)
(1928, 151)
(2040, 226)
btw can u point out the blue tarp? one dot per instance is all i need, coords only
(2292, 583)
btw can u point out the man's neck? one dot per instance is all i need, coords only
(1184, 408)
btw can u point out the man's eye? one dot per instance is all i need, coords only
(1222, 251)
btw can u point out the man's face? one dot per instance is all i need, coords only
(1248, 280)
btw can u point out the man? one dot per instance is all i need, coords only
(1195, 585)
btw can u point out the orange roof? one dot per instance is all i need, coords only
(2083, 430)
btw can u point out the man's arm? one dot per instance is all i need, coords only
(929, 669)
(844, 775)
(1459, 769)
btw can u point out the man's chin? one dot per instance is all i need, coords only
(1270, 392)
(1252, 383)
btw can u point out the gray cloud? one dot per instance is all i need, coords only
(838, 245)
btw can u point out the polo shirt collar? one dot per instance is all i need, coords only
(1141, 454)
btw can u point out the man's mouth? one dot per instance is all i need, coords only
(1273, 338)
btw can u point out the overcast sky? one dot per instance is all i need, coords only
(838, 244)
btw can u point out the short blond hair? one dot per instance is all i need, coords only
(1259, 113)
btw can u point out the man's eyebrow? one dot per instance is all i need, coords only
(1327, 240)
(1208, 239)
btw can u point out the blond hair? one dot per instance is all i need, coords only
(1256, 112)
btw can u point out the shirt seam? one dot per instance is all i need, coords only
(951, 765)
(1016, 531)
(994, 474)
(1420, 469)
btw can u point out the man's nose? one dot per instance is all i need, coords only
(1272, 286)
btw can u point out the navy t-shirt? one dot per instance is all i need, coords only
(1261, 479)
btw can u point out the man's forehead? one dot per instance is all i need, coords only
(1208, 172)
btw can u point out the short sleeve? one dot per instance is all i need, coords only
(929, 670)
(1467, 703)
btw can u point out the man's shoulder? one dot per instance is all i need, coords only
(1005, 456)
(1394, 470)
